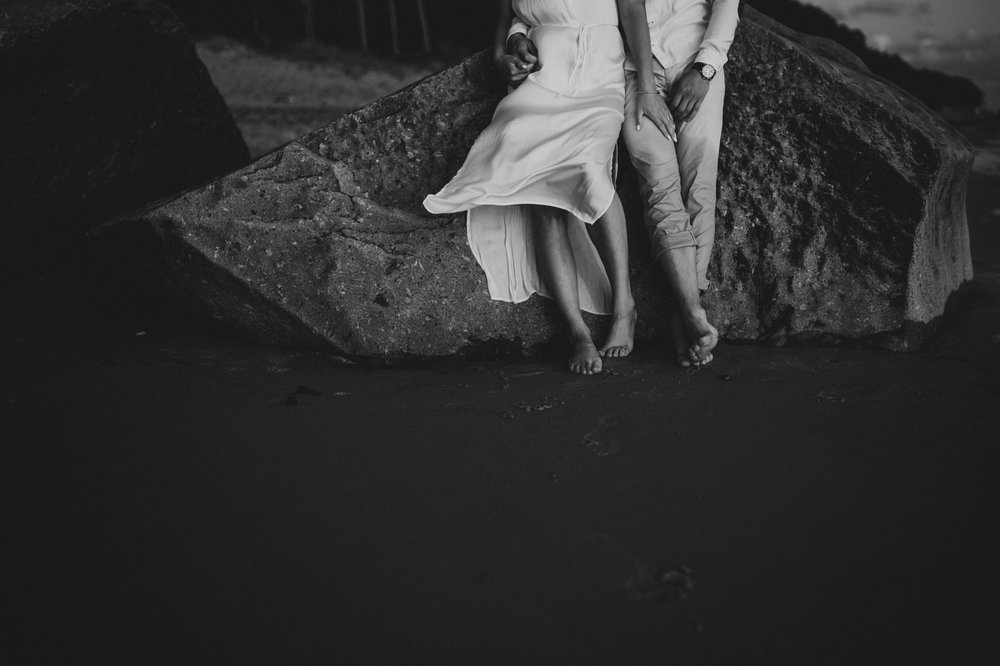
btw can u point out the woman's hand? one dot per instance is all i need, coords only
(653, 107)
(632, 17)
(520, 59)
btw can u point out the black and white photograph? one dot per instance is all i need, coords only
(500, 332)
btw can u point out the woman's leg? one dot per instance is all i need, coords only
(611, 238)
(558, 269)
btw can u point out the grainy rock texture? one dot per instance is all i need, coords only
(841, 213)
(106, 107)
(842, 198)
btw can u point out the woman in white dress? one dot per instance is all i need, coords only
(541, 172)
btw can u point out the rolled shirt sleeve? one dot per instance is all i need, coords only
(719, 35)
(517, 26)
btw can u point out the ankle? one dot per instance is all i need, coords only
(624, 310)
(694, 312)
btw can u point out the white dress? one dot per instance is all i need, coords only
(551, 142)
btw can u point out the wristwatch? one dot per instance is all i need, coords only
(707, 71)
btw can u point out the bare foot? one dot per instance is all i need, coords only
(621, 336)
(694, 338)
(681, 347)
(702, 335)
(585, 359)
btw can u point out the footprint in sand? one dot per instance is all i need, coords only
(606, 439)
(647, 581)
(651, 583)
(291, 399)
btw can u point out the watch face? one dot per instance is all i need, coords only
(707, 72)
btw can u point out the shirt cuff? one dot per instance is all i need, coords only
(517, 27)
(712, 57)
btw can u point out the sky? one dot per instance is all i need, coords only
(955, 36)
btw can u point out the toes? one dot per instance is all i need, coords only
(705, 342)
(682, 354)
(586, 364)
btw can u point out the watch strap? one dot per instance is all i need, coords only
(700, 68)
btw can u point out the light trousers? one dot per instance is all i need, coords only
(678, 181)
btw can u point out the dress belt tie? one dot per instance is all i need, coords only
(582, 45)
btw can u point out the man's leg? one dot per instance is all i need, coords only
(669, 225)
(698, 160)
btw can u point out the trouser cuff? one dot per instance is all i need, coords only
(664, 241)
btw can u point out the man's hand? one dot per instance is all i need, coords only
(520, 60)
(686, 98)
(653, 107)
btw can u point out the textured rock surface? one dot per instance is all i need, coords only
(105, 107)
(842, 198)
(841, 213)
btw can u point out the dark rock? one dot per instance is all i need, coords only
(842, 198)
(106, 107)
(841, 214)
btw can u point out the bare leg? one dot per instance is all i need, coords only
(558, 268)
(611, 239)
(694, 336)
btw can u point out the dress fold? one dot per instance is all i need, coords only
(551, 142)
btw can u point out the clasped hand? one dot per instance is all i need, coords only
(520, 60)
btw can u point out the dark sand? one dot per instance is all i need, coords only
(181, 497)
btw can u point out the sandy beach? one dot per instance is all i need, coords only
(180, 496)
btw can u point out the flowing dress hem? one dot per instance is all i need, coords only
(507, 201)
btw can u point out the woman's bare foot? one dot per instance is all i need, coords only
(694, 338)
(621, 336)
(585, 359)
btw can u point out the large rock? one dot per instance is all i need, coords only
(106, 107)
(842, 198)
(841, 213)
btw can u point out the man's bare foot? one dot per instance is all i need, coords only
(681, 346)
(585, 359)
(694, 338)
(621, 336)
(702, 335)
